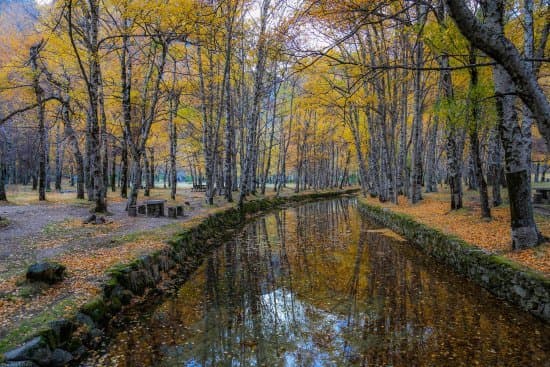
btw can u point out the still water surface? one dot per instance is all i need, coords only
(318, 285)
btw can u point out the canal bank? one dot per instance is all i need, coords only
(67, 340)
(504, 278)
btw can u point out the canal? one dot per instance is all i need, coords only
(319, 285)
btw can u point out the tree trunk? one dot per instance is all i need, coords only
(126, 78)
(78, 159)
(455, 136)
(42, 133)
(124, 167)
(271, 137)
(103, 131)
(152, 169)
(113, 172)
(3, 196)
(474, 138)
(58, 159)
(136, 181)
(431, 159)
(248, 180)
(516, 146)
(416, 158)
(147, 191)
(495, 165)
(174, 104)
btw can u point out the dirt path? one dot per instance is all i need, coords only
(43, 231)
(26, 225)
(55, 231)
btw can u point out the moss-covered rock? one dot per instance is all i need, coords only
(96, 309)
(47, 272)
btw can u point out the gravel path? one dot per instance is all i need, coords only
(55, 231)
(31, 225)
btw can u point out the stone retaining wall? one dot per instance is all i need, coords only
(502, 277)
(67, 340)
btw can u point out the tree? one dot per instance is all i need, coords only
(489, 37)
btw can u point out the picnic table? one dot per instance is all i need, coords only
(152, 208)
(542, 196)
(199, 187)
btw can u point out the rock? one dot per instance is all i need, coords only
(520, 291)
(97, 333)
(47, 272)
(62, 330)
(80, 352)
(86, 320)
(60, 358)
(96, 309)
(91, 219)
(94, 219)
(19, 364)
(100, 220)
(35, 350)
(124, 296)
(96, 337)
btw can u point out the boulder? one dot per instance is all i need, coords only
(19, 364)
(47, 272)
(61, 331)
(60, 358)
(91, 219)
(100, 220)
(35, 350)
(85, 320)
(94, 219)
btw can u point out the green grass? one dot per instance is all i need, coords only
(58, 228)
(4, 222)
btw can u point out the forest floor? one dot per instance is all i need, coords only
(491, 235)
(54, 230)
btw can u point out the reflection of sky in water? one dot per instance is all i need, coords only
(288, 321)
(298, 322)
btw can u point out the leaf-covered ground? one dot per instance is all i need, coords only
(492, 235)
(54, 230)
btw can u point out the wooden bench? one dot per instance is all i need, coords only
(152, 208)
(132, 211)
(542, 196)
(175, 211)
(199, 188)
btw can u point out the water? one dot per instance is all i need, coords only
(318, 285)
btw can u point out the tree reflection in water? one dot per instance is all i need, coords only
(316, 286)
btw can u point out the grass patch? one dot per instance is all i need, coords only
(34, 325)
(58, 228)
(4, 222)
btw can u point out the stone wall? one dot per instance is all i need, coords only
(68, 340)
(502, 277)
